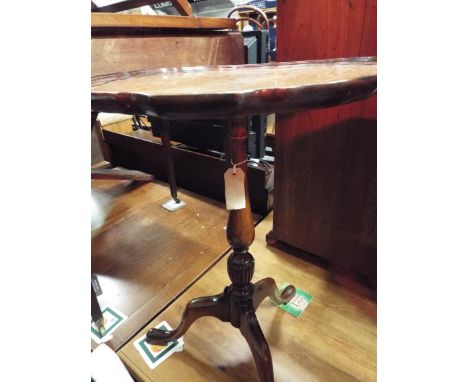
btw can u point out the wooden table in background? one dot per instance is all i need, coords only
(334, 339)
(123, 42)
(145, 256)
(137, 236)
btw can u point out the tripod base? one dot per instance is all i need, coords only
(239, 301)
(237, 307)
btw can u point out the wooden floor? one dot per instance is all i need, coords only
(145, 256)
(334, 339)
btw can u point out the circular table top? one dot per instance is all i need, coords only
(235, 91)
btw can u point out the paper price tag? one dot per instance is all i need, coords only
(234, 189)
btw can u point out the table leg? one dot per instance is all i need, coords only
(96, 312)
(164, 127)
(168, 158)
(94, 115)
(238, 302)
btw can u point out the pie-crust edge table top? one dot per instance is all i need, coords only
(231, 91)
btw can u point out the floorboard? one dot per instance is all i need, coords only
(145, 256)
(334, 339)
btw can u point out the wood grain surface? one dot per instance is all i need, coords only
(112, 54)
(334, 339)
(236, 90)
(183, 7)
(325, 169)
(234, 79)
(145, 256)
(116, 20)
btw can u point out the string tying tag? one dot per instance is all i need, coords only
(234, 165)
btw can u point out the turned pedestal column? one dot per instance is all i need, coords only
(239, 301)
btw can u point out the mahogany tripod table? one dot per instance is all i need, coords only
(233, 93)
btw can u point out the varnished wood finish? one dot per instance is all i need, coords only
(114, 21)
(164, 128)
(241, 264)
(214, 306)
(183, 7)
(236, 304)
(145, 256)
(250, 329)
(267, 288)
(240, 228)
(177, 93)
(112, 54)
(225, 92)
(325, 168)
(334, 340)
(120, 174)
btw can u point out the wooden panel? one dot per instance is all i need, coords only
(144, 255)
(116, 54)
(334, 340)
(116, 20)
(325, 170)
(197, 172)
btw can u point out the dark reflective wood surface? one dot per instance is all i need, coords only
(237, 90)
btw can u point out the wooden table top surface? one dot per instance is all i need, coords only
(235, 91)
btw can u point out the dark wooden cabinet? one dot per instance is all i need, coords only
(325, 170)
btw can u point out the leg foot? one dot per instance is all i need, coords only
(164, 127)
(216, 306)
(267, 288)
(271, 238)
(172, 205)
(253, 334)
